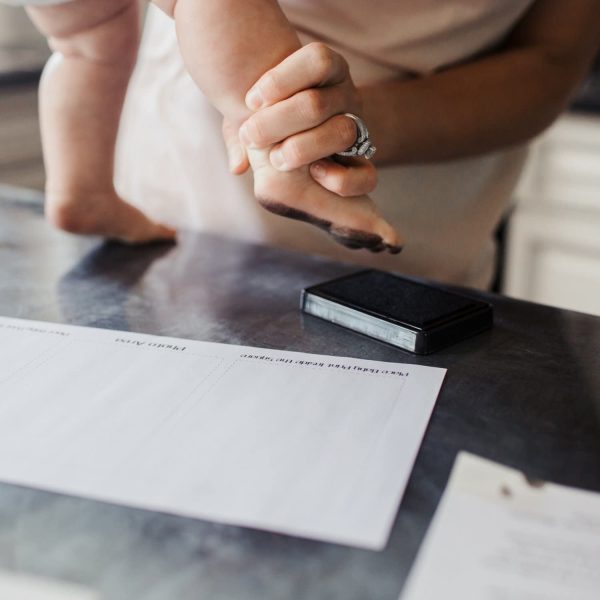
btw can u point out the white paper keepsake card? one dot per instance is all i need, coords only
(308, 445)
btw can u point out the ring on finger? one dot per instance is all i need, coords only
(362, 146)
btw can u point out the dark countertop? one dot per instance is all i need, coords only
(526, 394)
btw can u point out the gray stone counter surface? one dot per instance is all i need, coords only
(526, 394)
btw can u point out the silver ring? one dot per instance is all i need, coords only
(362, 146)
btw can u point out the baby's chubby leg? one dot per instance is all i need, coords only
(227, 45)
(81, 97)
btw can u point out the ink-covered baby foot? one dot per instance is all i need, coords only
(353, 222)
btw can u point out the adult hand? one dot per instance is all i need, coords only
(299, 106)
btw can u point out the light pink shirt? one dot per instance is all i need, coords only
(172, 161)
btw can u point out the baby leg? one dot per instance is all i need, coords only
(227, 45)
(81, 98)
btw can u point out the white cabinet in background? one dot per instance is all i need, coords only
(553, 252)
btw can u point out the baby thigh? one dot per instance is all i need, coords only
(105, 31)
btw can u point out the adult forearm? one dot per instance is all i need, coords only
(493, 103)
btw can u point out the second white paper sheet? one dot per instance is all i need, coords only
(497, 536)
(308, 445)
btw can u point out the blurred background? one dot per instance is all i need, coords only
(550, 242)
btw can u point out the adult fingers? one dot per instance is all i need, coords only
(355, 178)
(238, 159)
(303, 111)
(335, 135)
(314, 65)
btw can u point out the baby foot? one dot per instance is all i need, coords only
(104, 214)
(352, 222)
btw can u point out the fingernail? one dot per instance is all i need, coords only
(278, 160)
(254, 99)
(236, 157)
(318, 169)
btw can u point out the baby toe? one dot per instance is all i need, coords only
(355, 239)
